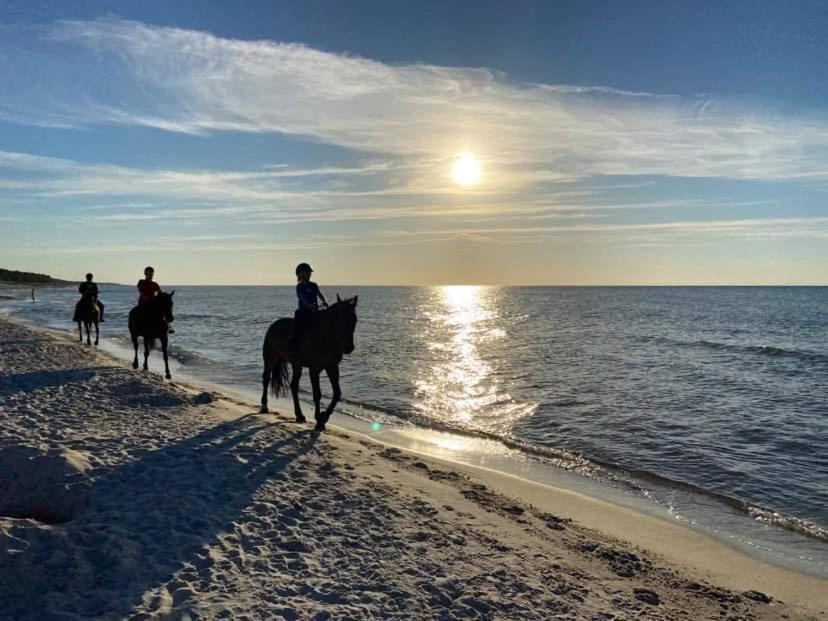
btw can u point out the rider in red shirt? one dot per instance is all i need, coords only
(148, 289)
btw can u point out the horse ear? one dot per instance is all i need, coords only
(338, 299)
(356, 298)
(172, 293)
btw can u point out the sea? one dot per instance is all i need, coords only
(704, 405)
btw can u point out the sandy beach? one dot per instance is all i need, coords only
(126, 496)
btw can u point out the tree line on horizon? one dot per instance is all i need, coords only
(26, 277)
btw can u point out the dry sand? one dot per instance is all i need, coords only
(125, 496)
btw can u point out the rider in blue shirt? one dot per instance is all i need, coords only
(309, 295)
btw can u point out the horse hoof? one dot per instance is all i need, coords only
(301, 419)
(320, 427)
(168, 376)
(134, 365)
(264, 410)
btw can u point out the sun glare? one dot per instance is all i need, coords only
(466, 170)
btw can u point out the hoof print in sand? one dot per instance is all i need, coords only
(647, 596)
(624, 564)
(757, 596)
(203, 398)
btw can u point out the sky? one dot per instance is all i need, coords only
(618, 143)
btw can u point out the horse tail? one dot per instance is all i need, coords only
(279, 377)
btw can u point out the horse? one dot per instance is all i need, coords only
(88, 313)
(151, 320)
(330, 335)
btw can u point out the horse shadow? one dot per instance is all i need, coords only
(28, 382)
(149, 518)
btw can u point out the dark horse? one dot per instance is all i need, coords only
(88, 313)
(330, 335)
(151, 320)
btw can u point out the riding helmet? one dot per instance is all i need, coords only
(303, 267)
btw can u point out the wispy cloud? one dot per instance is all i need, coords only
(563, 165)
(123, 195)
(193, 82)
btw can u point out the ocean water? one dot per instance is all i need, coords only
(702, 400)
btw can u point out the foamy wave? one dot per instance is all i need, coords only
(623, 477)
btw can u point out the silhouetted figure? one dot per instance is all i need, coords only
(89, 295)
(151, 320)
(308, 294)
(148, 289)
(33, 298)
(88, 310)
(331, 334)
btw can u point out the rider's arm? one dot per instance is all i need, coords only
(321, 297)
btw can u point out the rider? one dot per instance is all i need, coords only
(308, 292)
(148, 289)
(88, 289)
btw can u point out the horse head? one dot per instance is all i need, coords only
(165, 302)
(345, 320)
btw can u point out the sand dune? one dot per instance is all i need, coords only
(172, 503)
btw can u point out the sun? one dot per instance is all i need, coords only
(466, 170)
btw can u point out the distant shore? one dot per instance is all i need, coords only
(185, 501)
(33, 285)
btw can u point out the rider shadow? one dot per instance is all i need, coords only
(28, 382)
(147, 518)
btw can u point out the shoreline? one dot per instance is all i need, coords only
(526, 511)
(778, 545)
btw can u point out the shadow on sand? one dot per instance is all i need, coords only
(148, 518)
(27, 382)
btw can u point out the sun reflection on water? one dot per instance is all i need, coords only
(462, 386)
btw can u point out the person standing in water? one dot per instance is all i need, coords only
(148, 289)
(308, 294)
(33, 299)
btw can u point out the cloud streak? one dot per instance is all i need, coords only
(193, 82)
(563, 165)
(275, 195)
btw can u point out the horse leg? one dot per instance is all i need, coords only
(146, 352)
(317, 398)
(265, 383)
(296, 375)
(135, 345)
(88, 332)
(333, 375)
(80, 332)
(97, 333)
(166, 360)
